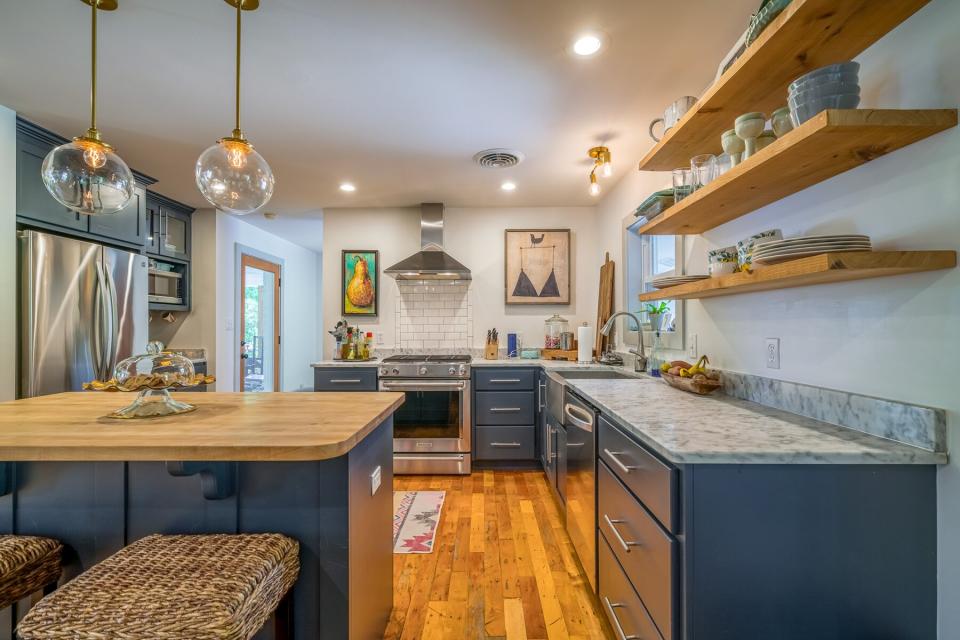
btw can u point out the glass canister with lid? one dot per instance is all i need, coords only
(553, 329)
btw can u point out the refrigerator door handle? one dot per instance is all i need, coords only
(113, 323)
(99, 351)
(103, 326)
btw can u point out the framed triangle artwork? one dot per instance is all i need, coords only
(537, 266)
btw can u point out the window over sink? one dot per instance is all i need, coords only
(647, 257)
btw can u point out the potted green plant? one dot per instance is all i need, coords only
(655, 313)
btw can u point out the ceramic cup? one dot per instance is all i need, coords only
(672, 115)
(765, 139)
(732, 144)
(718, 269)
(780, 120)
(748, 127)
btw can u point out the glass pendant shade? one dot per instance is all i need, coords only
(234, 178)
(88, 177)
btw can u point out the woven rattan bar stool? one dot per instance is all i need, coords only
(191, 587)
(28, 565)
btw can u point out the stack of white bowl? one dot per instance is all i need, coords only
(836, 86)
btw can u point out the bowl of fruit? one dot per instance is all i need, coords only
(695, 378)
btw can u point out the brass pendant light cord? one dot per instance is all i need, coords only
(236, 129)
(93, 67)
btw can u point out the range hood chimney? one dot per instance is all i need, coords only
(431, 262)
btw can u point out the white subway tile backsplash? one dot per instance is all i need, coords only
(434, 316)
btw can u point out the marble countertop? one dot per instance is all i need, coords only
(480, 362)
(688, 429)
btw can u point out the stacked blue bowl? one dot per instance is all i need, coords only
(836, 86)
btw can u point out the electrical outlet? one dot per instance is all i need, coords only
(379, 335)
(773, 353)
(375, 479)
(692, 350)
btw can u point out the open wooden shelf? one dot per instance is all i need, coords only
(828, 144)
(808, 34)
(820, 269)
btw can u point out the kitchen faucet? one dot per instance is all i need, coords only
(640, 364)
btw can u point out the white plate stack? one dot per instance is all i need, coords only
(774, 251)
(672, 281)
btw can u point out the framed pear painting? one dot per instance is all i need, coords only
(361, 283)
(537, 266)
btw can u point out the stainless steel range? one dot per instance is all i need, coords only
(431, 430)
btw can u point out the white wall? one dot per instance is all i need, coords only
(8, 253)
(475, 237)
(890, 337)
(300, 324)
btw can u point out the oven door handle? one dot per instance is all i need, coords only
(423, 386)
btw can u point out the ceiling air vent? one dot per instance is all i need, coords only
(498, 158)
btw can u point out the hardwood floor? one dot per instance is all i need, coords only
(502, 566)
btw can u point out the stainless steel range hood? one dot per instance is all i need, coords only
(431, 262)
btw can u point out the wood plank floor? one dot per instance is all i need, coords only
(502, 566)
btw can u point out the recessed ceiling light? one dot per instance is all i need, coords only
(348, 187)
(587, 45)
(509, 186)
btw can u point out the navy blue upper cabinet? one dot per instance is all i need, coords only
(129, 225)
(168, 228)
(33, 200)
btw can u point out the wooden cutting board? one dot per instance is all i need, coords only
(604, 303)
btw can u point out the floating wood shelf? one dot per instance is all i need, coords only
(828, 144)
(820, 269)
(808, 34)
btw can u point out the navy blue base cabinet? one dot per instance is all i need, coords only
(505, 416)
(345, 589)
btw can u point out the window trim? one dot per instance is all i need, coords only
(668, 340)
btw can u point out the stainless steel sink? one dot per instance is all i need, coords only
(592, 374)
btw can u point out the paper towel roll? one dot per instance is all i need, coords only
(585, 343)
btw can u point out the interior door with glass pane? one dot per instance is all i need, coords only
(259, 325)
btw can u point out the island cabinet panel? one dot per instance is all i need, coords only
(330, 507)
(786, 551)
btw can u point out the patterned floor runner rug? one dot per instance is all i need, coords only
(415, 518)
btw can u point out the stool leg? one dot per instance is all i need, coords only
(283, 618)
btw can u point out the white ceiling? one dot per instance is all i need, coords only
(393, 95)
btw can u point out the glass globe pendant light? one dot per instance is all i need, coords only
(86, 175)
(231, 175)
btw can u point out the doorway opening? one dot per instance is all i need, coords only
(259, 324)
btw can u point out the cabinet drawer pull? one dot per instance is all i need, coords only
(345, 380)
(613, 527)
(505, 380)
(505, 444)
(613, 456)
(612, 610)
(504, 409)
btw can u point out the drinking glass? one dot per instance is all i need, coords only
(724, 164)
(704, 168)
(682, 183)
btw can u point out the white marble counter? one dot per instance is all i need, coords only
(685, 428)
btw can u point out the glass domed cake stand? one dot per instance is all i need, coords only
(152, 375)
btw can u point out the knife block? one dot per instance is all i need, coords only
(491, 351)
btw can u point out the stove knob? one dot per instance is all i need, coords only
(423, 371)
(452, 371)
(462, 370)
(384, 371)
(395, 371)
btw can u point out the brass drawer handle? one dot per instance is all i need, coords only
(613, 527)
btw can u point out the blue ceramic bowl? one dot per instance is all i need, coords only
(801, 112)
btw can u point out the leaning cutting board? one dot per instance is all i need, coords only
(604, 303)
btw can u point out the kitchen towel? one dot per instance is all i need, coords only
(585, 343)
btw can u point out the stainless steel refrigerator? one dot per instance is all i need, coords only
(83, 308)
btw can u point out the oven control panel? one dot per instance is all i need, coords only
(425, 370)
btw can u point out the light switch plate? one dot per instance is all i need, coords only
(692, 347)
(772, 351)
(375, 479)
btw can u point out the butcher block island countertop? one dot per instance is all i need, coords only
(225, 426)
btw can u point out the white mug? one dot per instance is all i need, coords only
(672, 114)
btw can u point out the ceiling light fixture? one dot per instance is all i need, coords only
(509, 186)
(602, 161)
(86, 175)
(348, 187)
(231, 175)
(587, 45)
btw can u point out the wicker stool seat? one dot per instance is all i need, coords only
(28, 564)
(190, 587)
